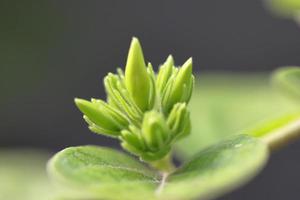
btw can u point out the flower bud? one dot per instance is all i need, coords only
(147, 112)
(133, 141)
(181, 87)
(119, 97)
(98, 115)
(179, 121)
(100, 130)
(137, 79)
(155, 130)
(119, 117)
(164, 74)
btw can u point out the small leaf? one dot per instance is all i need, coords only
(217, 170)
(288, 80)
(97, 172)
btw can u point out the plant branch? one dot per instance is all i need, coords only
(283, 136)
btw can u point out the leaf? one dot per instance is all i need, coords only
(23, 175)
(98, 172)
(226, 104)
(284, 8)
(288, 80)
(218, 169)
(102, 173)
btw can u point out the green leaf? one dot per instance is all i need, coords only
(288, 80)
(285, 8)
(217, 169)
(102, 173)
(23, 175)
(226, 104)
(97, 172)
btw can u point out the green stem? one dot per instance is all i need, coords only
(164, 165)
(283, 136)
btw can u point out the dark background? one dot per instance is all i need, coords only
(53, 51)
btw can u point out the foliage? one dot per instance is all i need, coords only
(226, 104)
(285, 8)
(23, 175)
(102, 173)
(234, 128)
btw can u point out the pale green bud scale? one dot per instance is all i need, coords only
(97, 116)
(182, 79)
(136, 77)
(100, 130)
(165, 73)
(154, 130)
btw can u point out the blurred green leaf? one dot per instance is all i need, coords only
(285, 8)
(288, 80)
(278, 132)
(226, 104)
(23, 175)
(102, 173)
(268, 126)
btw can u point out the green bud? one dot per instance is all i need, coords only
(119, 97)
(137, 79)
(155, 130)
(179, 89)
(153, 156)
(133, 139)
(100, 130)
(147, 112)
(153, 90)
(98, 115)
(164, 74)
(179, 121)
(119, 117)
(130, 148)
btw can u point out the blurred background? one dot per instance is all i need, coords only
(53, 51)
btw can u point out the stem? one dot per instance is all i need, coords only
(162, 183)
(281, 137)
(165, 165)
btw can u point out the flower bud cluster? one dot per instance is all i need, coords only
(146, 111)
